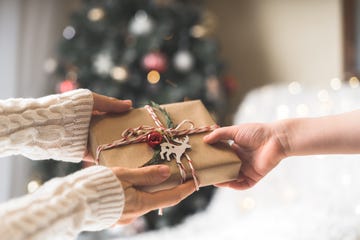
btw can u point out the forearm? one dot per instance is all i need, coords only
(91, 199)
(336, 134)
(54, 126)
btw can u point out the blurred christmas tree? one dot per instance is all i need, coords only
(143, 50)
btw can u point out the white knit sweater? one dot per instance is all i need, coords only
(56, 127)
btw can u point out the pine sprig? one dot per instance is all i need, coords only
(169, 122)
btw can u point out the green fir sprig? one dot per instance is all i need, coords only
(156, 159)
(169, 122)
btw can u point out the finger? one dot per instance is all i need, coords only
(88, 157)
(235, 147)
(126, 221)
(240, 185)
(225, 184)
(167, 198)
(234, 185)
(144, 176)
(109, 104)
(224, 133)
(238, 150)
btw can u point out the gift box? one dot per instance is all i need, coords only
(182, 141)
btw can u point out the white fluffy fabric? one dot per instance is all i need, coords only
(313, 197)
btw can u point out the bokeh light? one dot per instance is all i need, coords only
(354, 82)
(69, 32)
(153, 77)
(119, 73)
(294, 88)
(67, 85)
(335, 83)
(33, 186)
(198, 31)
(96, 14)
(50, 65)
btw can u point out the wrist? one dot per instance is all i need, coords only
(282, 132)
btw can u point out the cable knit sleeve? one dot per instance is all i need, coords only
(91, 199)
(55, 126)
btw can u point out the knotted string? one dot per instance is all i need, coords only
(139, 135)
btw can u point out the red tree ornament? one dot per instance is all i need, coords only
(155, 61)
(154, 139)
(66, 85)
(230, 84)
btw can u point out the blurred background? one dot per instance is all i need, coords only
(168, 51)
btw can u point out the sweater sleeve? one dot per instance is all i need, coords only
(91, 199)
(55, 126)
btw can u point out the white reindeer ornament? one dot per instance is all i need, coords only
(170, 149)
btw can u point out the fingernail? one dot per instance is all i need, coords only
(205, 138)
(164, 171)
(127, 102)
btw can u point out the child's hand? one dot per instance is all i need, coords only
(257, 145)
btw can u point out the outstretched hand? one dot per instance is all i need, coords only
(257, 145)
(138, 202)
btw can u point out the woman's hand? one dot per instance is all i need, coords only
(104, 104)
(138, 202)
(259, 147)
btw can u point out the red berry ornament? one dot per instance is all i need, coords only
(154, 139)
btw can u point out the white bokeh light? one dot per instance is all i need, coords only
(335, 84)
(33, 186)
(294, 88)
(119, 73)
(69, 32)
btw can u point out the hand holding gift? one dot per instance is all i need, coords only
(171, 134)
(138, 202)
(257, 146)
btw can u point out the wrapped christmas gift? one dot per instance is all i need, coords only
(170, 134)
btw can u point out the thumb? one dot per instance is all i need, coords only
(224, 133)
(150, 175)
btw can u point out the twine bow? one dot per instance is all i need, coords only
(139, 135)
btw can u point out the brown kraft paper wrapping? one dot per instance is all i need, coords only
(214, 163)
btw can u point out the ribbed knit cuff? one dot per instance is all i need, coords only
(105, 196)
(77, 119)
